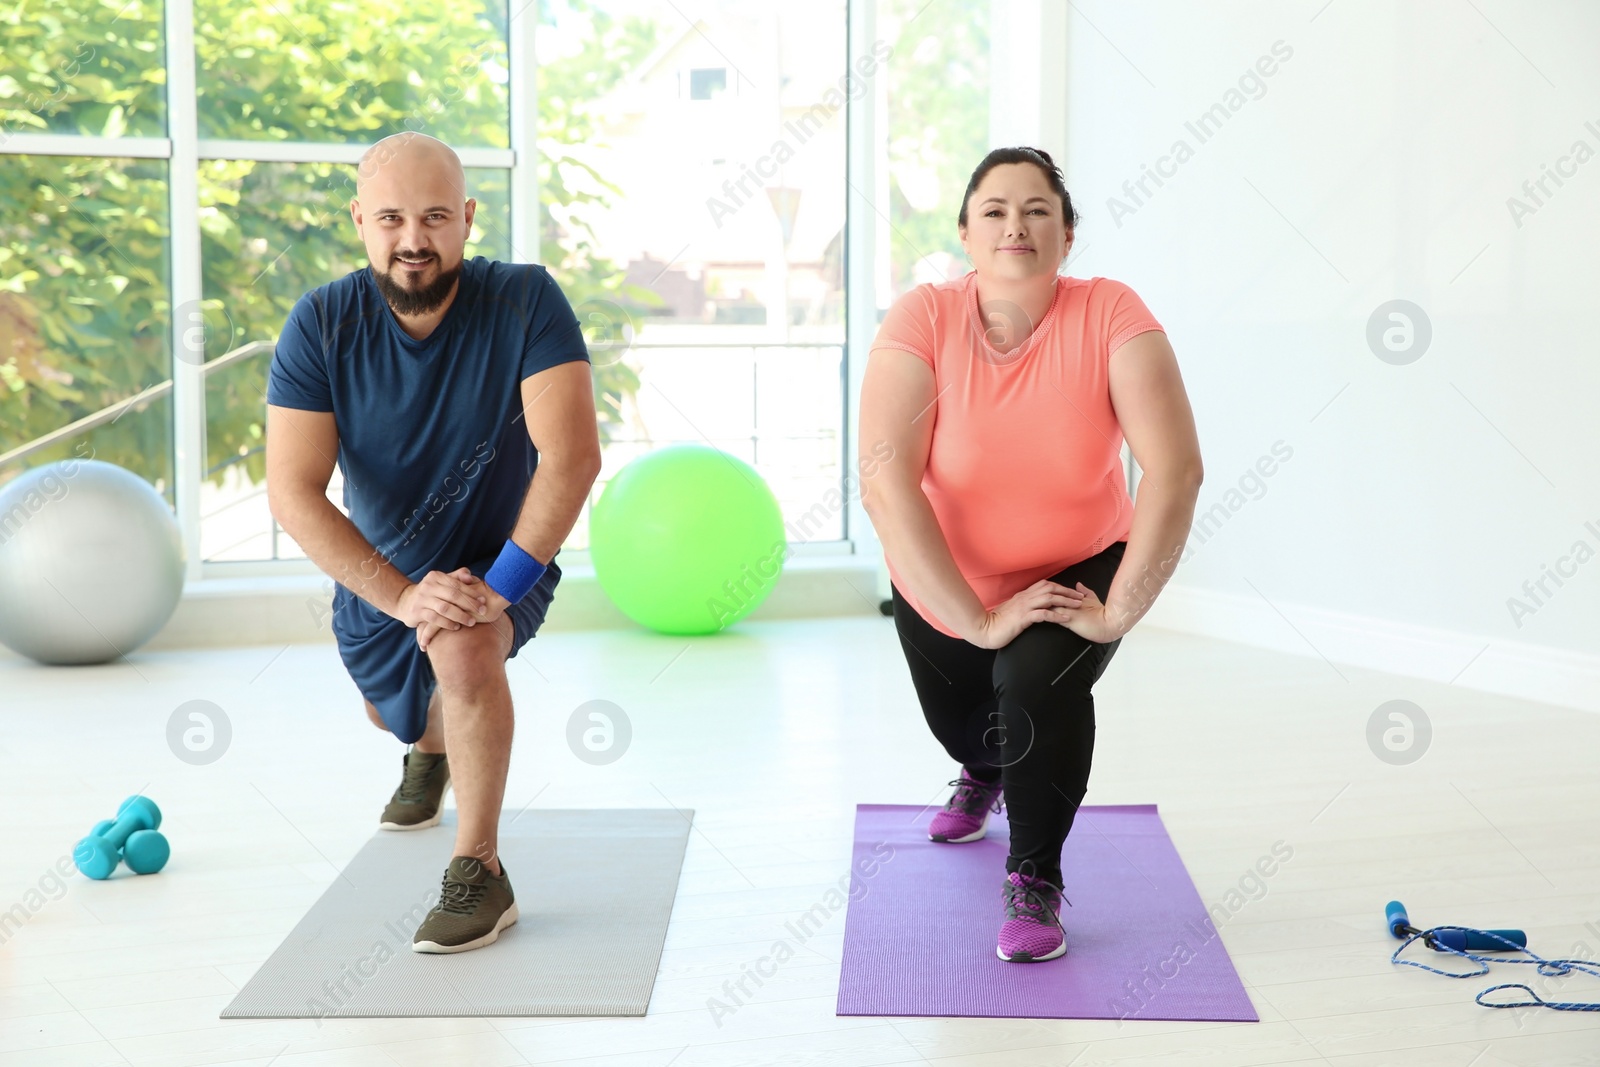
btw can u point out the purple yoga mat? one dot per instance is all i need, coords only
(919, 936)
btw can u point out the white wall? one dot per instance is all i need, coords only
(1375, 164)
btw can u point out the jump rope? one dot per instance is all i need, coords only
(1466, 942)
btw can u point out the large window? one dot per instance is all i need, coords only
(352, 72)
(684, 179)
(270, 232)
(84, 283)
(311, 72)
(85, 310)
(696, 213)
(283, 98)
(937, 124)
(83, 67)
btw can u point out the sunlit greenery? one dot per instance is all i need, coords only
(85, 304)
(938, 122)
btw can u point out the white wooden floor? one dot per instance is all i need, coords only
(773, 733)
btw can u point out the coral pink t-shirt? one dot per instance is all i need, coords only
(1024, 472)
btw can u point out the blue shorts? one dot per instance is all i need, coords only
(383, 659)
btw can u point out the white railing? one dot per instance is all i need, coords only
(112, 412)
(275, 533)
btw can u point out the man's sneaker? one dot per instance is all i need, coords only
(1032, 930)
(474, 906)
(966, 815)
(418, 801)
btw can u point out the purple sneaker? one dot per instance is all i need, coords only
(966, 813)
(1032, 930)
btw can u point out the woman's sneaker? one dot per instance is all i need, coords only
(419, 800)
(474, 906)
(966, 814)
(1032, 930)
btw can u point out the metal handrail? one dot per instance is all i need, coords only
(115, 411)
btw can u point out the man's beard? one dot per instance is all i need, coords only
(419, 301)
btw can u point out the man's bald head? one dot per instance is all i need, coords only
(410, 152)
(413, 214)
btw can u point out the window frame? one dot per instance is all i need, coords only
(184, 149)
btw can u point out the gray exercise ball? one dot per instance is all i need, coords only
(91, 562)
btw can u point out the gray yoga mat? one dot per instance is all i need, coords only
(594, 891)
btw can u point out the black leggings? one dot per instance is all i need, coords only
(1023, 714)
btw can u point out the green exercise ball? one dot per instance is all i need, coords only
(687, 540)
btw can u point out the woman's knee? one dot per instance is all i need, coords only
(372, 713)
(1044, 664)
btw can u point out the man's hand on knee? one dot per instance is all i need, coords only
(444, 602)
(492, 604)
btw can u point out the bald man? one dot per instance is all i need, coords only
(456, 397)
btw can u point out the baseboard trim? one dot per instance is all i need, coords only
(1506, 668)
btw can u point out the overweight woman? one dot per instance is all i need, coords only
(993, 412)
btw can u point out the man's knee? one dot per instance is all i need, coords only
(471, 657)
(372, 713)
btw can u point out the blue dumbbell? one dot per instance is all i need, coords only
(130, 838)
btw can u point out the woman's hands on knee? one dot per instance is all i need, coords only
(1043, 601)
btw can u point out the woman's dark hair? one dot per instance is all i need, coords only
(1039, 158)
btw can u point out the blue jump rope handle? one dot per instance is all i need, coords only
(1460, 940)
(1477, 941)
(1395, 914)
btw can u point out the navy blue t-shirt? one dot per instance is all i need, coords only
(432, 443)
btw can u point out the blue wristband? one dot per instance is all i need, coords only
(514, 572)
